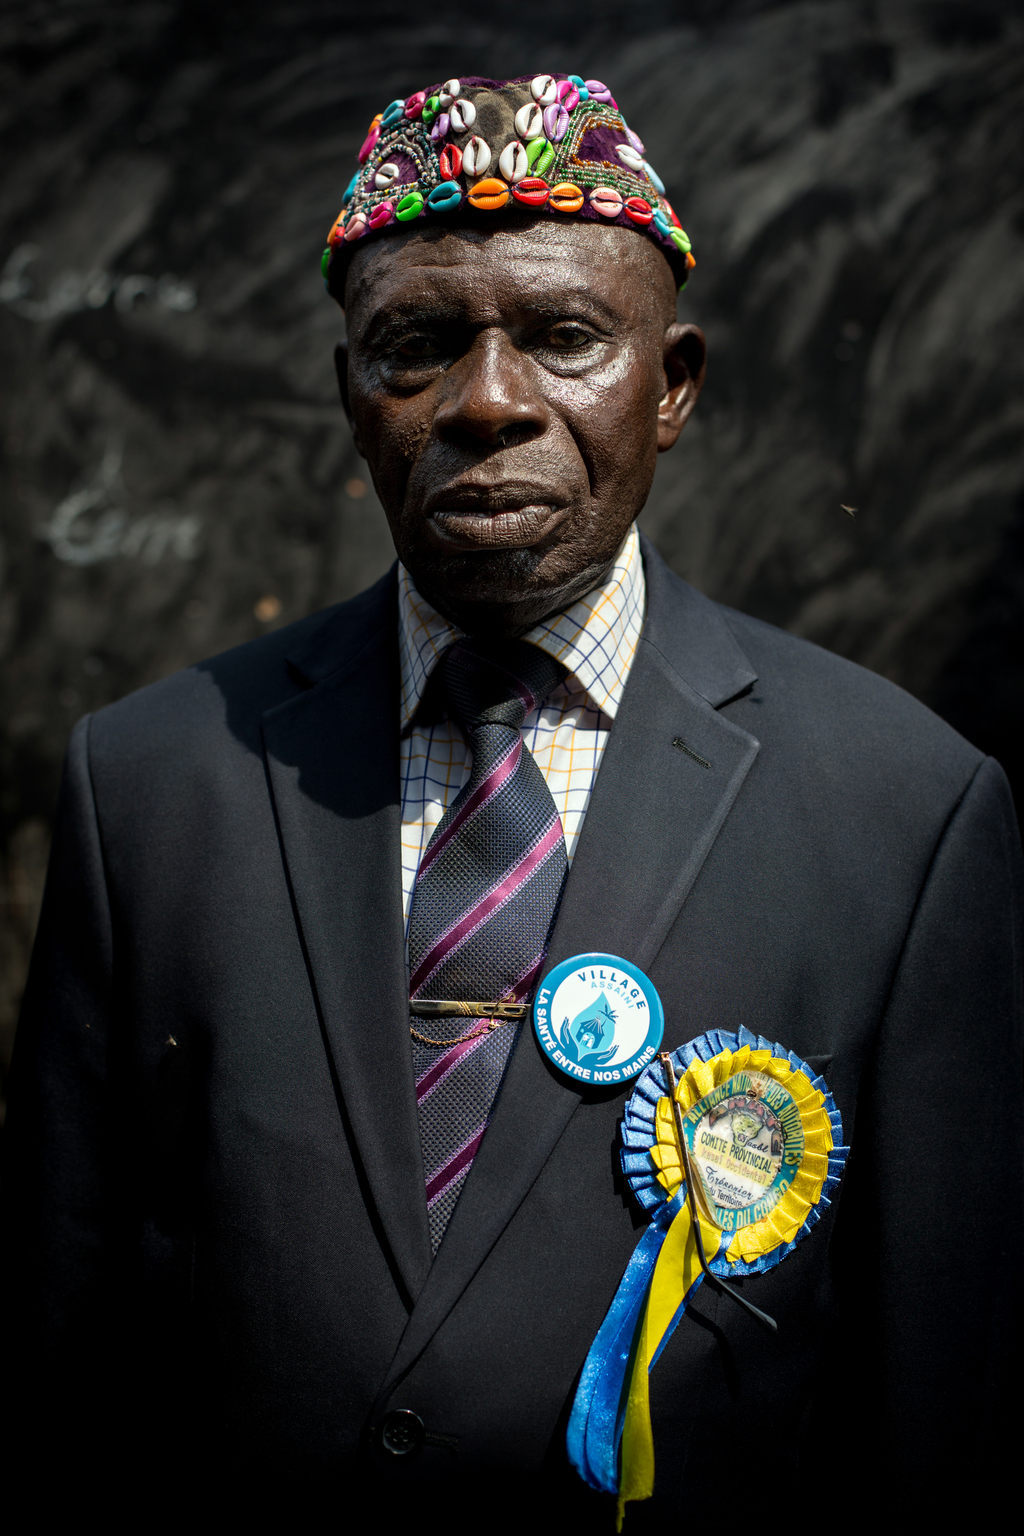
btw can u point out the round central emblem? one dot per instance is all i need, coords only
(746, 1141)
(598, 1019)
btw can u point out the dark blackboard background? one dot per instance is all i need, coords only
(176, 472)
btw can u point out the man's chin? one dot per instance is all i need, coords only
(497, 591)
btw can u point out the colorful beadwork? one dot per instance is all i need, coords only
(550, 142)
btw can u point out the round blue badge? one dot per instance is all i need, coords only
(598, 1019)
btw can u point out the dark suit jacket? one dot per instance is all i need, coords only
(216, 1189)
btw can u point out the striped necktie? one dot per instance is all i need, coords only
(486, 895)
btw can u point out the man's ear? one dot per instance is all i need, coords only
(341, 369)
(685, 358)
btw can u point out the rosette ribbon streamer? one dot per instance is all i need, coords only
(762, 1137)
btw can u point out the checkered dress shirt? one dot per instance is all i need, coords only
(595, 640)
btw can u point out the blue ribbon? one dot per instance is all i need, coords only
(599, 1408)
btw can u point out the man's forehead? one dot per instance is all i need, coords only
(539, 263)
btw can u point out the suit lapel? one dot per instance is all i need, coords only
(332, 761)
(654, 814)
(671, 771)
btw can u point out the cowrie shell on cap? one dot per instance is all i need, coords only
(440, 128)
(566, 197)
(451, 162)
(597, 90)
(635, 139)
(356, 226)
(512, 162)
(639, 210)
(607, 201)
(386, 176)
(629, 156)
(530, 121)
(476, 156)
(556, 122)
(449, 91)
(445, 197)
(382, 214)
(462, 115)
(568, 95)
(409, 207)
(532, 190)
(489, 193)
(545, 89)
(540, 154)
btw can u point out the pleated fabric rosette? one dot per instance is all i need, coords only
(554, 144)
(766, 1138)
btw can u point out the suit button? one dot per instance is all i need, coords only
(402, 1432)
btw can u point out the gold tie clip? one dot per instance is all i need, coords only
(431, 1008)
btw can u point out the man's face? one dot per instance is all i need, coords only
(510, 390)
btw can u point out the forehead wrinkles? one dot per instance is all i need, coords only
(528, 268)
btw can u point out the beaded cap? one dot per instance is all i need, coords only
(556, 144)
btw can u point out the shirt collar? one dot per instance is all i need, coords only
(595, 639)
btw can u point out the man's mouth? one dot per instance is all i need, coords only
(470, 518)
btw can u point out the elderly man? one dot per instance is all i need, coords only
(305, 1200)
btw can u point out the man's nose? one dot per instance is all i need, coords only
(491, 395)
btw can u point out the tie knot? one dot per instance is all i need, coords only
(497, 682)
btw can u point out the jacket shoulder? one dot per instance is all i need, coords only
(813, 707)
(818, 706)
(234, 689)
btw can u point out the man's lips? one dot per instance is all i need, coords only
(498, 517)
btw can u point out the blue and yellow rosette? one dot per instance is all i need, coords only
(765, 1142)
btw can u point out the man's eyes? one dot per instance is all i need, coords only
(569, 338)
(418, 348)
(561, 339)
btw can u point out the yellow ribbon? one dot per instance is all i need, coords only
(676, 1273)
